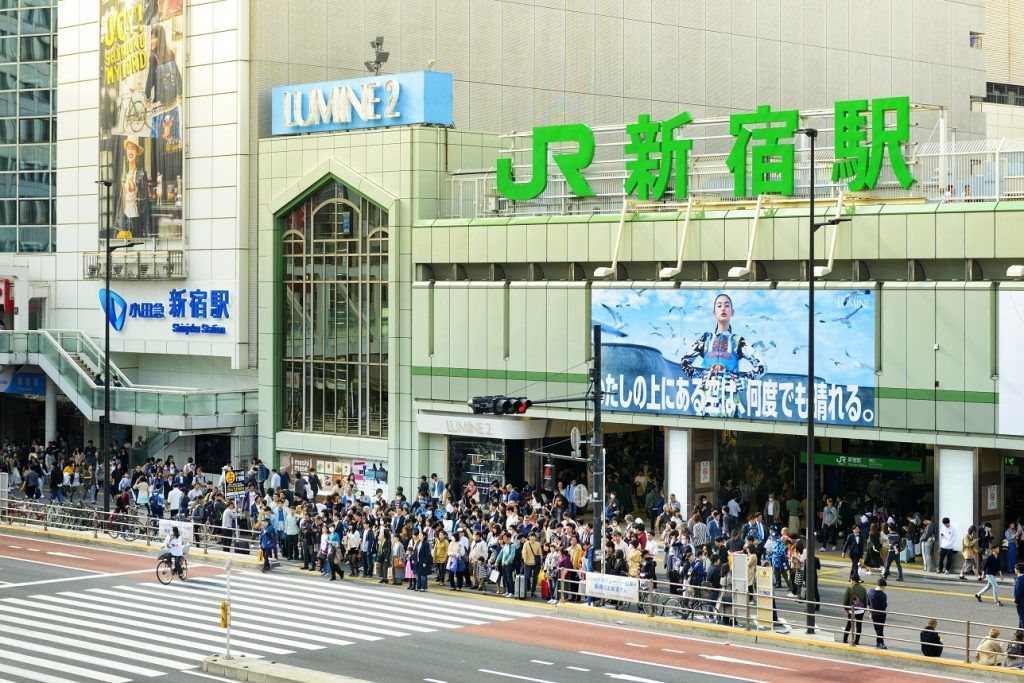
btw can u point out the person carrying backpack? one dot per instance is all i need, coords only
(878, 601)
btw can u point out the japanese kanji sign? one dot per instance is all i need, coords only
(193, 311)
(737, 354)
(762, 159)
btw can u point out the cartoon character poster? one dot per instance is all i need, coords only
(141, 96)
(738, 353)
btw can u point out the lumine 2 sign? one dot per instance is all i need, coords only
(763, 148)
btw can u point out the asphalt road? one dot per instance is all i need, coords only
(79, 613)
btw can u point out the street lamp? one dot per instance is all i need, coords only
(105, 420)
(810, 512)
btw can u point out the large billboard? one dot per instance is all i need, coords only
(738, 354)
(1011, 362)
(141, 96)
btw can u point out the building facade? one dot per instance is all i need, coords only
(374, 282)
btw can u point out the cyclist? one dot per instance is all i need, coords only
(174, 545)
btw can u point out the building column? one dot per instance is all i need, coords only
(50, 428)
(678, 455)
(956, 493)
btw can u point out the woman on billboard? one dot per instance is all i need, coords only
(718, 378)
(133, 215)
(163, 82)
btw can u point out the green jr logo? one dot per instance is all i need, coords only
(570, 163)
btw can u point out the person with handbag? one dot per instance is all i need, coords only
(384, 561)
(456, 562)
(335, 554)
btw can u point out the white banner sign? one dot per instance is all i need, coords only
(184, 528)
(609, 587)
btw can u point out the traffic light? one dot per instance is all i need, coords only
(224, 613)
(481, 404)
(499, 405)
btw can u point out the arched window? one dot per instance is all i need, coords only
(335, 349)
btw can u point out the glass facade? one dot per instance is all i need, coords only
(335, 251)
(28, 108)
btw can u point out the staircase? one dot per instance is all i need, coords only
(71, 359)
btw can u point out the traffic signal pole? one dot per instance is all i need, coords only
(597, 457)
(504, 405)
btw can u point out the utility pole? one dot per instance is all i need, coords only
(597, 457)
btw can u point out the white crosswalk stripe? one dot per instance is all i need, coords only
(140, 631)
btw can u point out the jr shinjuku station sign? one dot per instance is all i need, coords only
(653, 152)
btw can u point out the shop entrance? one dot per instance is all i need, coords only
(870, 475)
(635, 462)
(1013, 481)
(485, 461)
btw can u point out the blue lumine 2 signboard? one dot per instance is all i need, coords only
(419, 97)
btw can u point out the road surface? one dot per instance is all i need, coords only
(74, 613)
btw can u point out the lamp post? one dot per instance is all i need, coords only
(105, 419)
(811, 511)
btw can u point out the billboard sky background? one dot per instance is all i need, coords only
(773, 322)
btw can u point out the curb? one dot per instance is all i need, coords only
(262, 671)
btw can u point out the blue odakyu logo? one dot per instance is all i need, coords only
(115, 306)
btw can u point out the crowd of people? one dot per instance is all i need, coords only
(520, 541)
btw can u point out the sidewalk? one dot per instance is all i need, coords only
(835, 560)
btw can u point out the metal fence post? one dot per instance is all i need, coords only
(95, 523)
(967, 643)
(650, 598)
(561, 587)
(746, 602)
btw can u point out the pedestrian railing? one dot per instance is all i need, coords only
(749, 612)
(134, 525)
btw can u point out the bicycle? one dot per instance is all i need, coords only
(650, 601)
(165, 567)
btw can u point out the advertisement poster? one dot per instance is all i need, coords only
(141, 94)
(738, 354)
(370, 476)
(1011, 362)
(234, 483)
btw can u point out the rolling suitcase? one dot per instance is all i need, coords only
(520, 582)
(242, 546)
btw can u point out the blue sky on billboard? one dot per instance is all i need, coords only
(773, 323)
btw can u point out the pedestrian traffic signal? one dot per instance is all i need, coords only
(224, 613)
(481, 404)
(499, 405)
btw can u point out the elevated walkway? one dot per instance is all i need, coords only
(72, 360)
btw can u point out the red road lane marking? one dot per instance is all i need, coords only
(95, 561)
(723, 659)
(72, 556)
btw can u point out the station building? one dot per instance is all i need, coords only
(371, 278)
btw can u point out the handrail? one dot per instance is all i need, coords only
(684, 601)
(143, 389)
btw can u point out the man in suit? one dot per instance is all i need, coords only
(854, 549)
(772, 510)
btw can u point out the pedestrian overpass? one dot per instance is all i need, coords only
(71, 359)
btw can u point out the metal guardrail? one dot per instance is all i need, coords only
(739, 611)
(135, 525)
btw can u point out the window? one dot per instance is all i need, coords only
(336, 314)
(976, 40)
(27, 124)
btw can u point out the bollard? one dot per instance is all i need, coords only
(967, 643)
(95, 523)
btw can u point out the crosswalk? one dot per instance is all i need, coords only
(139, 630)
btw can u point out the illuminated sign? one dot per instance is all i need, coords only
(370, 102)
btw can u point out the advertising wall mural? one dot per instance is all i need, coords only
(738, 354)
(142, 67)
(1011, 362)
